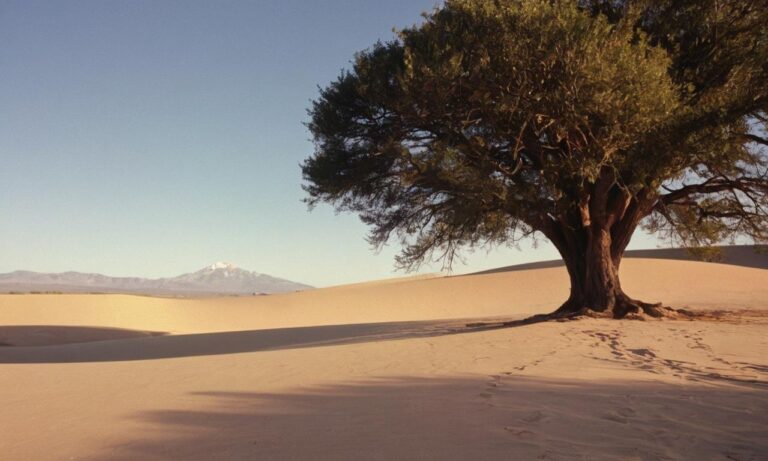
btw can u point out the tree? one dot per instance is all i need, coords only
(580, 121)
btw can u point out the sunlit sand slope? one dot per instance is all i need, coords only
(503, 294)
(389, 371)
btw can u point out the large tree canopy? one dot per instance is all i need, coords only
(579, 120)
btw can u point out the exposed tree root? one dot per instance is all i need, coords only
(668, 313)
(626, 306)
(623, 307)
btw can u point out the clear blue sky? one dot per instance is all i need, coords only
(150, 138)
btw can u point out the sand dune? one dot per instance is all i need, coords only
(390, 371)
(502, 294)
(755, 256)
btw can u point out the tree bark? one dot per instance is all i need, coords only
(591, 240)
(594, 275)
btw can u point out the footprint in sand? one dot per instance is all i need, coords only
(647, 353)
(534, 417)
(626, 412)
(495, 381)
(520, 433)
(621, 416)
(491, 386)
(616, 418)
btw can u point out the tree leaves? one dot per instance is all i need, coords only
(492, 120)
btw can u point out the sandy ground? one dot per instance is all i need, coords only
(390, 371)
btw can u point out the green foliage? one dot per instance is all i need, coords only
(493, 120)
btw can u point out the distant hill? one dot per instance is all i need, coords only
(219, 278)
(738, 255)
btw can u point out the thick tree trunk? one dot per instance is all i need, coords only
(595, 285)
(591, 239)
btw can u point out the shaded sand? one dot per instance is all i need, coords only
(46, 335)
(390, 371)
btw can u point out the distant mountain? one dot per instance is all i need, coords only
(227, 278)
(219, 278)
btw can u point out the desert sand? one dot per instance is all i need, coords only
(391, 370)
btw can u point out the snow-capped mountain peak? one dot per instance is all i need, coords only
(222, 265)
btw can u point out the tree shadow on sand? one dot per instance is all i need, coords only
(158, 346)
(48, 335)
(130, 345)
(504, 416)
